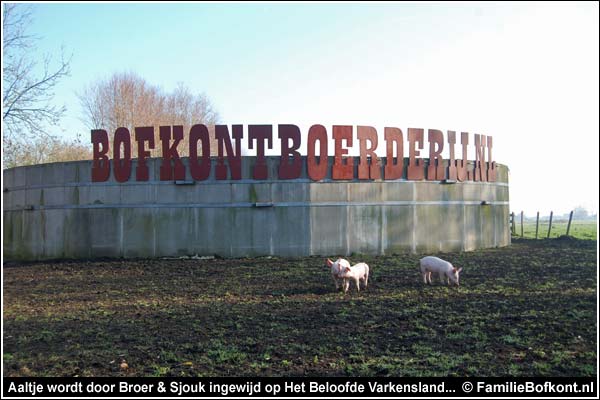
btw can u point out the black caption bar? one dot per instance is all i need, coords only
(299, 387)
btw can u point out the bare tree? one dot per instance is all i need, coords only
(42, 150)
(128, 100)
(26, 95)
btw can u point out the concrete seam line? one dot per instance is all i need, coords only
(251, 205)
(229, 182)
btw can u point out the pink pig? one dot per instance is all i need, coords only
(433, 265)
(357, 273)
(336, 268)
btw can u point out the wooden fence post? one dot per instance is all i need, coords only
(569, 225)
(512, 222)
(521, 223)
(537, 224)
(550, 225)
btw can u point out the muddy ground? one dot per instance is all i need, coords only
(525, 310)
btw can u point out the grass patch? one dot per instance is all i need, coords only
(525, 310)
(584, 230)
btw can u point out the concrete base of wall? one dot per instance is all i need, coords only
(55, 211)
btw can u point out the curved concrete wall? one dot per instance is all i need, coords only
(55, 211)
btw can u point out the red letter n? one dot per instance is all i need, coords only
(234, 159)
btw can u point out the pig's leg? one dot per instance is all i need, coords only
(335, 281)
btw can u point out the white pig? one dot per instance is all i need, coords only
(438, 266)
(336, 268)
(357, 273)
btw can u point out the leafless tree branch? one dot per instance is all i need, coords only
(127, 100)
(27, 111)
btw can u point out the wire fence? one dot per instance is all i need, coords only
(550, 226)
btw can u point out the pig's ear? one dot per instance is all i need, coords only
(460, 269)
(329, 262)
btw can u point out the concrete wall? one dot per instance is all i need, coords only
(55, 211)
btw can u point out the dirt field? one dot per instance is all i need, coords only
(525, 310)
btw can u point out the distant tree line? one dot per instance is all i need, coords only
(580, 213)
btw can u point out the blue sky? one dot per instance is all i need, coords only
(527, 74)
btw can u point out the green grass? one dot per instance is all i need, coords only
(525, 310)
(579, 229)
